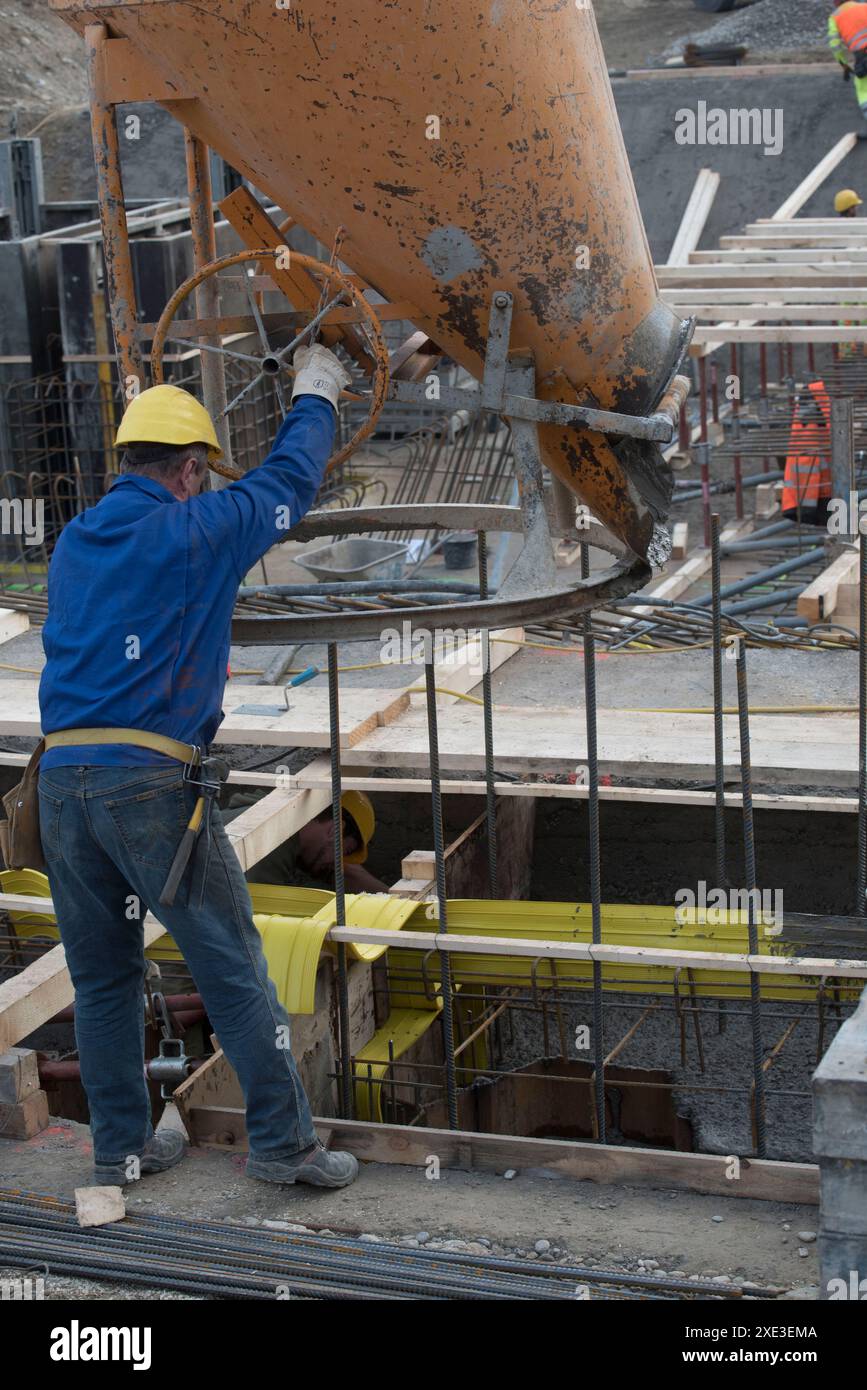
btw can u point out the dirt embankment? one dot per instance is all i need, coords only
(43, 66)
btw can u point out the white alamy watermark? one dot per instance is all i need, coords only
(847, 516)
(713, 907)
(77, 1343)
(27, 1288)
(417, 646)
(854, 1289)
(704, 125)
(23, 518)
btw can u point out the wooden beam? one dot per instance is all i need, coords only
(705, 75)
(664, 796)
(774, 333)
(816, 177)
(754, 313)
(657, 957)
(819, 599)
(818, 241)
(799, 224)
(745, 296)
(842, 256)
(527, 948)
(760, 1179)
(761, 276)
(679, 540)
(12, 624)
(695, 216)
(211, 1106)
(766, 499)
(272, 820)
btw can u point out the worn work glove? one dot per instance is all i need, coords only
(319, 373)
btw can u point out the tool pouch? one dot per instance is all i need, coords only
(859, 62)
(20, 839)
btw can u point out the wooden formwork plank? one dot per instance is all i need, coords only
(816, 177)
(819, 600)
(12, 624)
(209, 1104)
(695, 216)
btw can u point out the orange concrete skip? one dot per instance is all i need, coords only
(466, 147)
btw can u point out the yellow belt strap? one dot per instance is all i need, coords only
(158, 743)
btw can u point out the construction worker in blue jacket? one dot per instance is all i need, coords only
(141, 590)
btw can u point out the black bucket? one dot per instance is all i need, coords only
(460, 550)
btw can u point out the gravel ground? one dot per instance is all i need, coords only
(768, 27)
(612, 1226)
(44, 65)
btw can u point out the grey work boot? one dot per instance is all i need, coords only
(160, 1152)
(316, 1165)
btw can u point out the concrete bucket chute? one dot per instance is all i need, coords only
(466, 149)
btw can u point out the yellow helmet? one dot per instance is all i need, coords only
(847, 198)
(168, 415)
(360, 807)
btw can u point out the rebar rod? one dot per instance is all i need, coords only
(718, 747)
(442, 909)
(595, 853)
(488, 719)
(212, 1256)
(861, 887)
(346, 1088)
(750, 878)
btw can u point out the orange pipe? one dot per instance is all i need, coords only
(465, 147)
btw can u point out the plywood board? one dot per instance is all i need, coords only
(805, 749)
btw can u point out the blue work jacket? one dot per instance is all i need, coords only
(141, 590)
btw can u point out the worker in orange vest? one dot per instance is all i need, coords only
(807, 480)
(847, 37)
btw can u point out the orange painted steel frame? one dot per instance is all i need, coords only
(463, 153)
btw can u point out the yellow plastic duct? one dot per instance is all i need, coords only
(30, 924)
(278, 898)
(292, 949)
(293, 940)
(293, 944)
(622, 925)
(403, 1028)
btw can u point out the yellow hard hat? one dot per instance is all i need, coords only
(168, 415)
(847, 198)
(360, 807)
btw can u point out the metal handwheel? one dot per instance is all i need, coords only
(336, 291)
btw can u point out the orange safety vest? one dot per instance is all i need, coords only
(852, 25)
(807, 477)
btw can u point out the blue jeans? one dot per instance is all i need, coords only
(109, 836)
